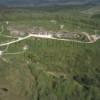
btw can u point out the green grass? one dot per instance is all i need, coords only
(51, 69)
(28, 72)
(72, 18)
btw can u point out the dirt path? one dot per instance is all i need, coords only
(91, 38)
(15, 41)
(56, 74)
(87, 35)
(47, 37)
(15, 53)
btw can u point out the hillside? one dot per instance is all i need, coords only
(37, 61)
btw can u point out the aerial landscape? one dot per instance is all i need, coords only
(49, 49)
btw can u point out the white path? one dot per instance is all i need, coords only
(46, 37)
(15, 53)
(87, 35)
(18, 39)
(15, 41)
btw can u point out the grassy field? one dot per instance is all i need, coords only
(72, 18)
(51, 69)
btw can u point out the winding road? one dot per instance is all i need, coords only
(94, 38)
(47, 37)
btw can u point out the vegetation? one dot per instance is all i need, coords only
(72, 18)
(51, 69)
